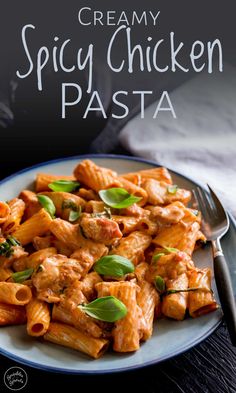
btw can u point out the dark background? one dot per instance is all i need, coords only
(35, 132)
(31, 131)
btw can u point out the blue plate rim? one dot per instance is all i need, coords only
(121, 369)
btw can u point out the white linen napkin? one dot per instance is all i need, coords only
(201, 142)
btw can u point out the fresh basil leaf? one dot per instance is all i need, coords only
(47, 204)
(160, 284)
(158, 256)
(74, 215)
(172, 189)
(108, 309)
(113, 265)
(118, 198)
(170, 249)
(64, 185)
(20, 277)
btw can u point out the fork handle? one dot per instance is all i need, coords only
(226, 294)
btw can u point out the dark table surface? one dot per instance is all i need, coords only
(208, 367)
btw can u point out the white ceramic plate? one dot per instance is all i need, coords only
(169, 338)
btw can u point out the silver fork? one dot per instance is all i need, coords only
(215, 224)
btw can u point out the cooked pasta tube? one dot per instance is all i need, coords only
(133, 246)
(4, 212)
(12, 315)
(128, 330)
(160, 174)
(147, 299)
(38, 317)
(17, 208)
(88, 195)
(181, 236)
(67, 233)
(134, 190)
(64, 202)
(12, 293)
(175, 305)
(126, 224)
(44, 179)
(148, 226)
(61, 314)
(201, 301)
(96, 177)
(37, 225)
(5, 273)
(94, 207)
(71, 337)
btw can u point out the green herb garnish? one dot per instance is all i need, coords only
(75, 210)
(64, 185)
(160, 284)
(169, 250)
(69, 204)
(113, 265)
(47, 204)
(108, 309)
(74, 215)
(6, 248)
(156, 257)
(105, 213)
(118, 198)
(20, 277)
(172, 189)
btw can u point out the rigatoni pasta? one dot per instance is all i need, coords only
(96, 258)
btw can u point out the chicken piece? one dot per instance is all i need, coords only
(88, 195)
(158, 193)
(53, 275)
(134, 211)
(171, 214)
(87, 256)
(40, 242)
(17, 253)
(100, 229)
(32, 204)
(71, 298)
(170, 266)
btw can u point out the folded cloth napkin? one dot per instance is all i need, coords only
(201, 142)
